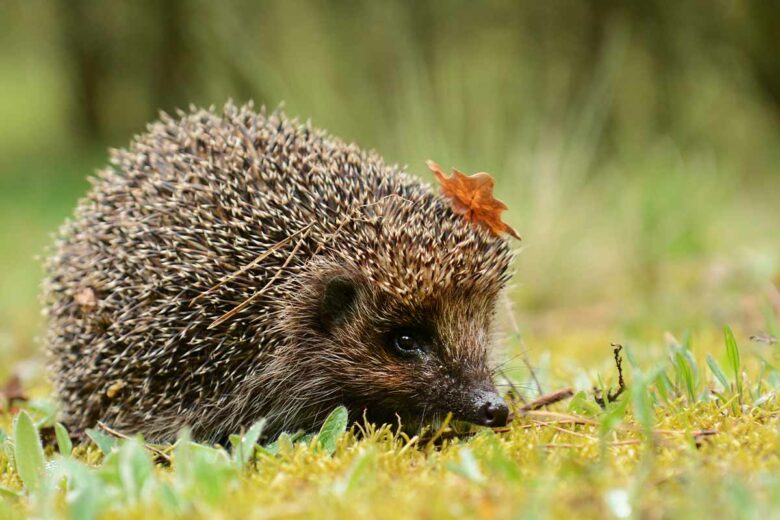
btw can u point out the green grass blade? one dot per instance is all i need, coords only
(28, 452)
(641, 400)
(583, 404)
(716, 371)
(244, 447)
(685, 375)
(333, 427)
(105, 442)
(664, 386)
(64, 443)
(282, 444)
(732, 353)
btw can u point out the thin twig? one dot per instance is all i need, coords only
(573, 432)
(558, 416)
(627, 442)
(543, 424)
(246, 303)
(121, 435)
(698, 436)
(619, 364)
(612, 396)
(548, 399)
(262, 256)
(112, 431)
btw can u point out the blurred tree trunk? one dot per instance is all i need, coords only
(143, 46)
(171, 69)
(87, 55)
(763, 45)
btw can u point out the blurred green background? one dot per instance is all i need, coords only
(637, 144)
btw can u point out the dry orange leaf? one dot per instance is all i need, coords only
(472, 197)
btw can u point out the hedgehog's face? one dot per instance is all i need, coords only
(413, 360)
(395, 322)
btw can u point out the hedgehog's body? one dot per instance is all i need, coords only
(354, 283)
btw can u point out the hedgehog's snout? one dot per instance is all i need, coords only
(487, 408)
(481, 406)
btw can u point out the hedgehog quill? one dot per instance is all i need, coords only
(237, 265)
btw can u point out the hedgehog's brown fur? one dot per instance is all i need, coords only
(134, 284)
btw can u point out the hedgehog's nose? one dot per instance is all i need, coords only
(491, 409)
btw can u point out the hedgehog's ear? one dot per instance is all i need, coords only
(338, 300)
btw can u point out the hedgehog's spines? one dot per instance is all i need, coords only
(193, 201)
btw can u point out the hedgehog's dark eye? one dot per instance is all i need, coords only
(408, 343)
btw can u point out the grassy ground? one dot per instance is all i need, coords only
(696, 434)
(645, 187)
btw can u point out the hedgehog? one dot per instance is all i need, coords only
(235, 265)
